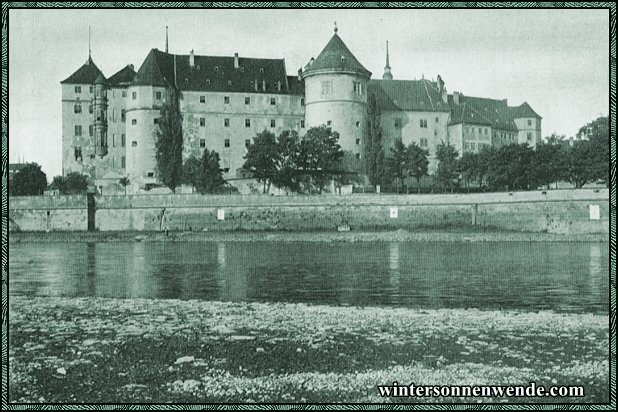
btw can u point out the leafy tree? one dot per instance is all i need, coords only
(374, 158)
(209, 177)
(510, 168)
(597, 134)
(468, 166)
(319, 157)
(581, 163)
(417, 163)
(72, 184)
(548, 162)
(190, 171)
(397, 164)
(124, 182)
(28, 181)
(169, 140)
(288, 149)
(447, 165)
(262, 158)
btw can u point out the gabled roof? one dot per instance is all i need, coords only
(100, 80)
(495, 111)
(86, 74)
(407, 95)
(215, 73)
(123, 77)
(336, 57)
(523, 110)
(465, 113)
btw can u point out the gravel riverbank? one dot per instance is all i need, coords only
(446, 235)
(112, 350)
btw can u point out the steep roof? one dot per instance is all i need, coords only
(465, 113)
(100, 79)
(523, 110)
(86, 74)
(407, 95)
(336, 57)
(215, 73)
(123, 77)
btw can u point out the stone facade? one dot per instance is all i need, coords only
(109, 124)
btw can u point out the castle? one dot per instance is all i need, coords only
(109, 124)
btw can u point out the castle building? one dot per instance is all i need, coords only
(226, 100)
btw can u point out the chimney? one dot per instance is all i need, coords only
(311, 61)
(263, 85)
(456, 97)
(300, 73)
(236, 65)
(442, 89)
(505, 102)
(191, 59)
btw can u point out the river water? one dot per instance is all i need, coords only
(564, 277)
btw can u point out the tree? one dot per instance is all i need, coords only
(418, 163)
(469, 168)
(374, 158)
(190, 171)
(319, 157)
(124, 182)
(288, 148)
(28, 181)
(209, 177)
(72, 184)
(510, 168)
(548, 162)
(397, 164)
(169, 140)
(597, 134)
(262, 158)
(447, 165)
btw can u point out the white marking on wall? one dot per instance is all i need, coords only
(595, 212)
(394, 213)
(221, 214)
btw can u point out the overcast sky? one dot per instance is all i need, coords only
(556, 60)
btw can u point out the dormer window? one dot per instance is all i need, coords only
(229, 82)
(261, 70)
(242, 69)
(216, 68)
(207, 81)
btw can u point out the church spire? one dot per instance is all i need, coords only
(387, 69)
(166, 41)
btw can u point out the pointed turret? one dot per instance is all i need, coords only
(387, 69)
(336, 57)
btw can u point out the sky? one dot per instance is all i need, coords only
(556, 60)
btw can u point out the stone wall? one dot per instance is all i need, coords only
(558, 211)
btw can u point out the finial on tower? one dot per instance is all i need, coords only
(336, 28)
(387, 69)
(89, 46)
(166, 41)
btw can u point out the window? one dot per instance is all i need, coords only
(435, 133)
(437, 119)
(226, 143)
(123, 116)
(134, 143)
(91, 130)
(302, 124)
(272, 122)
(216, 68)
(273, 101)
(123, 162)
(91, 89)
(358, 155)
(247, 100)
(226, 100)
(229, 82)
(226, 122)
(78, 89)
(114, 115)
(124, 93)
(202, 99)
(423, 142)
(247, 143)
(329, 123)
(486, 130)
(156, 120)
(78, 130)
(302, 102)
(202, 143)
(202, 121)
(123, 140)
(157, 95)
(423, 123)
(357, 142)
(358, 88)
(247, 122)
(529, 122)
(529, 136)
(134, 95)
(472, 145)
(113, 139)
(397, 124)
(327, 88)
(78, 154)
(226, 170)
(134, 121)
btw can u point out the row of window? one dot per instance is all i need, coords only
(77, 109)
(78, 90)
(481, 130)
(327, 88)
(79, 157)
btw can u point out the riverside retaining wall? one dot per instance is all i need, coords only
(558, 211)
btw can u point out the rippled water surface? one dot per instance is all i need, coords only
(565, 277)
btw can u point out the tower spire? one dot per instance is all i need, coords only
(336, 28)
(166, 41)
(89, 46)
(387, 69)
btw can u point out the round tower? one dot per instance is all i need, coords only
(336, 93)
(99, 121)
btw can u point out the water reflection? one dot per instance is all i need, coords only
(556, 276)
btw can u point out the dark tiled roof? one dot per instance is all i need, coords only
(465, 113)
(296, 86)
(123, 77)
(86, 74)
(495, 111)
(523, 110)
(407, 95)
(101, 80)
(337, 56)
(215, 74)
